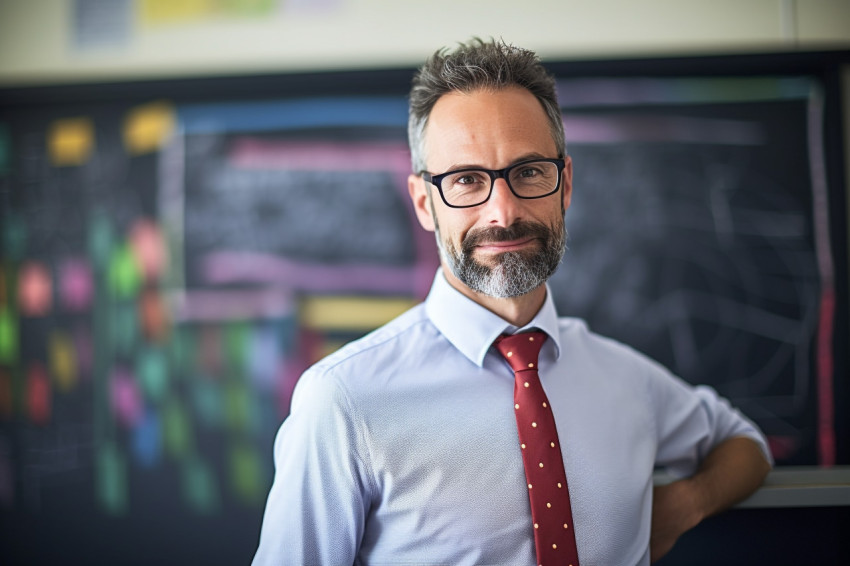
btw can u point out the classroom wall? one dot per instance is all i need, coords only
(45, 41)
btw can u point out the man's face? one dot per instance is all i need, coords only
(507, 246)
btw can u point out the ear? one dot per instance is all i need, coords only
(567, 180)
(419, 195)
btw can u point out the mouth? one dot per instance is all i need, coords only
(503, 246)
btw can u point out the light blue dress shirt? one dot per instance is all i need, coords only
(401, 448)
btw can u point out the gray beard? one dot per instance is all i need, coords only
(514, 273)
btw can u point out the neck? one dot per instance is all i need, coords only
(517, 310)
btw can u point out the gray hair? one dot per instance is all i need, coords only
(472, 66)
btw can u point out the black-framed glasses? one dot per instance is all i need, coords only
(463, 188)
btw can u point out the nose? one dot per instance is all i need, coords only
(503, 207)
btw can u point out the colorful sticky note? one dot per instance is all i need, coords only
(124, 276)
(124, 331)
(63, 360)
(8, 337)
(351, 313)
(207, 402)
(39, 403)
(152, 373)
(182, 348)
(111, 480)
(101, 239)
(154, 12)
(236, 346)
(148, 127)
(125, 398)
(76, 284)
(154, 316)
(177, 430)
(246, 474)
(149, 248)
(14, 236)
(84, 348)
(35, 289)
(147, 440)
(70, 141)
(200, 487)
(237, 406)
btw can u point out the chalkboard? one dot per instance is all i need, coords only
(175, 253)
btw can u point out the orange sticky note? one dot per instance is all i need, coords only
(70, 141)
(148, 127)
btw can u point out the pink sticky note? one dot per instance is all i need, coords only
(35, 289)
(125, 397)
(76, 284)
(149, 248)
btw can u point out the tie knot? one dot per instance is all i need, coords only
(521, 350)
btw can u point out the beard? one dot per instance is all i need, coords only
(512, 273)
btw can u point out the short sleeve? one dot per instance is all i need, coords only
(690, 421)
(316, 508)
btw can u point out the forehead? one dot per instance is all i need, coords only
(489, 128)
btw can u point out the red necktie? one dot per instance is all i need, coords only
(541, 453)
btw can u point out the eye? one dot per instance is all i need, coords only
(468, 179)
(528, 171)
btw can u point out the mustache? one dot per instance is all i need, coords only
(520, 230)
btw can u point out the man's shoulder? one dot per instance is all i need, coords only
(384, 342)
(579, 339)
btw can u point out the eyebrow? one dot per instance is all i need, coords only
(526, 157)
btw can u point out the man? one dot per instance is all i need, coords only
(404, 447)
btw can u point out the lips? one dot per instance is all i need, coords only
(505, 245)
(497, 240)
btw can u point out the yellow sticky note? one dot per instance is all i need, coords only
(155, 12)
(63, 360)
(351, 313)
(70, 141)
(147, 127)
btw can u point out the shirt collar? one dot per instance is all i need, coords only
(472, 328)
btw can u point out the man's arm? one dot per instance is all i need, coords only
(731, 472)
(316, 508)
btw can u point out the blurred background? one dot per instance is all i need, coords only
(200, 198)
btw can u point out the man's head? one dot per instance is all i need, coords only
(486, 133)
(474, 66)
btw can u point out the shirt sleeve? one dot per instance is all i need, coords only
(317, 505)
(690, 421)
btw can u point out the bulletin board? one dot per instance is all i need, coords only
(175, 253)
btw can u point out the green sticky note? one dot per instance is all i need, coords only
(246, 474)
(124, 276)
(14, 237)
(236, 337)
(207, 401)
(111, 480)
(237, 406)
(100, 239)
(8, 337)
(178, 433)
(125, 328)
(152, 373)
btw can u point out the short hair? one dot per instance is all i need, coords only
(479, 65)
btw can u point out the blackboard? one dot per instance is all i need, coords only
(175, 253)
